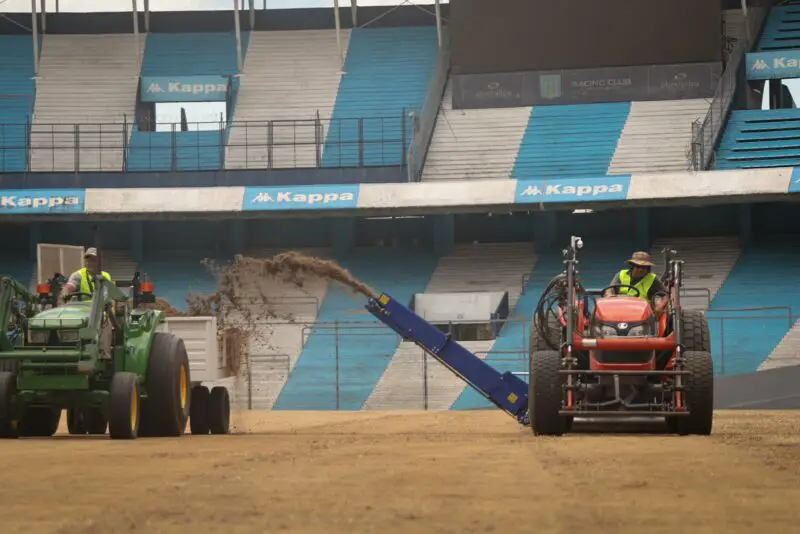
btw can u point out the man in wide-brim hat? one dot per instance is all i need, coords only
(640, 277)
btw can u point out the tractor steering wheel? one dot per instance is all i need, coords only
(69, 296)
(616, 286)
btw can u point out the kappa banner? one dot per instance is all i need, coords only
(313, 197)
(24, 202)
(572, 190)
(184, 89)
(773, 65)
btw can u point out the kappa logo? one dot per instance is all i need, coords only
(289, 197)
(760, 64)
(189, 88)
(155, 88)
(575, 190)
(11, 202)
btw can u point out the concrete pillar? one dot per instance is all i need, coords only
(745, 224)
(137, 241)
(344, 236)
(444, 234)
(545, 226)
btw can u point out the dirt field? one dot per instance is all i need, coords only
(391, 472)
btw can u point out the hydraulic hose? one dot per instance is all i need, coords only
(546, 321)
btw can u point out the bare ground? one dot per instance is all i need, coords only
(387, 472)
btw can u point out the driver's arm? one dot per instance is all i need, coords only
(658, 295)
(614, 282)
(72, 285)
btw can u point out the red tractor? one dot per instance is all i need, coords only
(595, 355)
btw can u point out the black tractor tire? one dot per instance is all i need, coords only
(545, 394)
(124, 406)
(39, 421)
(198, 415)
(698, 396)
(8, 422)
(96, 422)
(219, 410)
(76, 421)
(166, 410)
(696, 334)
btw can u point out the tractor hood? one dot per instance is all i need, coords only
(74, 315)
(622, 310)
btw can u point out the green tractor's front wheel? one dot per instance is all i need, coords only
(165, 412)
(124, 406)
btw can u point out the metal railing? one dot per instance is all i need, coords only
(345, 366)
(706, 134)
(238, 145)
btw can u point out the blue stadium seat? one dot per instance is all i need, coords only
(185, 54)
(387, 72)
(782, 29)
(570, 141)
(18, 266)
(176, 274)
(17, 94)
(599, 261)
(760, 138)
(758, 281)
(364, 350)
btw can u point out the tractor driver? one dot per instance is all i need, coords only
(640, 276)
(82, 279)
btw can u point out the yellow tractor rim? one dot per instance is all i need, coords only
(134, 408)
(184, 387)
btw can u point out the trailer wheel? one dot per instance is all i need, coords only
(76, 422)
(219, 410)
(166, 410)
(545, 394)
(198, 416)
(95, 422)
(699, 396)
(8, 388)
(124, 405)
(39, 421)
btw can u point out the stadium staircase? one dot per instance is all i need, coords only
(599, 261)
(478, 267)
(177, 273)
(274, 350)
(364, 347)
(657, 136)
(17, 95)
(90, 80)
(186, 54)
(709, 261)
(290, 78)
(570, 141)
(786, 353)
(760, 281)
(474, 144)
(386, 76)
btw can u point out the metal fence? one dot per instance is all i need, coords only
(706, 134)
(238, 145)
(342, 384)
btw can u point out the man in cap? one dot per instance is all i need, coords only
(639, 276)
(82, 280)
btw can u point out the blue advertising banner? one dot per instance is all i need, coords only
(310, 197)
(573, 190)
(773, 65)
(794, 183)
(25, 201)
(184, 88)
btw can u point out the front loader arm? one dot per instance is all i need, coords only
(11, 292)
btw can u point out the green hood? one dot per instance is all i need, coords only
(74, 315)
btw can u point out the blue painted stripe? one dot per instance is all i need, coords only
(364, 351)
(17, 98)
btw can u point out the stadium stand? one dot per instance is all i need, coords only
(780, 29)
(760, 138)
(386, 76)
(177, 272)
(90, 81)
(570, 141)
(762, 300)
(186, 54)
(476, 267)
(786, 353)
(359, 353)
(656, 136)
(17, 95)
(290, 78)
(474, 143)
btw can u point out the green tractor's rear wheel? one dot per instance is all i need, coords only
(8, 388)
(219, 410)
(198, 418)
(165, 412)
(124, 404)
(39, 421)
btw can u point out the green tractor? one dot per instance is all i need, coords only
(99, 356)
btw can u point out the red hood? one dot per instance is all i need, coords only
(622, 310)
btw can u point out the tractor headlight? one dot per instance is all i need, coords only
(604, 331)
(38, 337)
(637, 331)
(68, 336)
